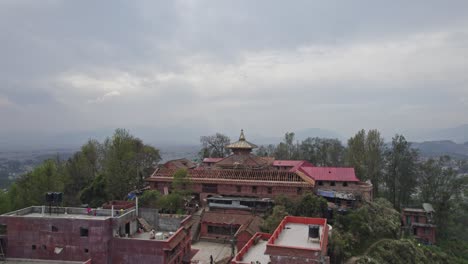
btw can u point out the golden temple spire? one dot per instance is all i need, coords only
(241, 143)
(242, 137)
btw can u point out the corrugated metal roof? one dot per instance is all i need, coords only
(428, 207)
(331, 174)
(211, 160)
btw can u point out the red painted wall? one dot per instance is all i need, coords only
(242, 239)
(25, 232)
(231, 190)
(148, 251)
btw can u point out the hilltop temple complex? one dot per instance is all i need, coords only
(243, 174)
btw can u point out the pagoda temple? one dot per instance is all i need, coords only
(243, 174)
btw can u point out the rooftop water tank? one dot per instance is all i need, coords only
(314, 231)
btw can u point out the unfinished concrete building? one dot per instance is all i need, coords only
(96, 235)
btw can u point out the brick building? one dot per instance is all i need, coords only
(295, 240)
(222, 226)
(245, 174)
(419, 222)
(96, 236)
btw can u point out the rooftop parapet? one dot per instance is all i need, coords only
(70, 213)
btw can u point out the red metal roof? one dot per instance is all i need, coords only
(331, 174)
(295, 164)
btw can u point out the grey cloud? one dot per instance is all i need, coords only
(268, 65)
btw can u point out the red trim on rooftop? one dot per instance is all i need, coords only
(300, 220)
(240, 255)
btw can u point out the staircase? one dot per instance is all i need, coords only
(196, 218)
(147, 227)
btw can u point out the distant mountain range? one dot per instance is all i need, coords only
(442, 147)
(449, 140)
(298, 135)
(457, 134)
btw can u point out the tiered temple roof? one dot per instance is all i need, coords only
(241, 144)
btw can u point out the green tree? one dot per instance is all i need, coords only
(30, 189)
(443, 188)
(181, 182)
(124, 163)
(266, 151)
(273, 220)
(171, 203)
(4, 202)
(150, 199)
(287, 202)
(365, 153)
(80, 171)
(322, 151)
(311, 205)
(214, 146)
(360, 228)
(401, 171)
(287, 149)
(95, 193)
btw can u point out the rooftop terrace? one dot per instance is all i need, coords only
(295, 235)
(293, 232)
(254, 250)
(68, 213)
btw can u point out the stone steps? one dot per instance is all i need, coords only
(196, 218)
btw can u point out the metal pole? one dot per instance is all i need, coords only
(136, 203)
(112, 210)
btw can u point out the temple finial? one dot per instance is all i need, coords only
(242, 137)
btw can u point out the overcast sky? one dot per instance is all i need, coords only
(265, 66)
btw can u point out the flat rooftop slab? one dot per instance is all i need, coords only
(296, 235)
(257, 253)
(37, 261)
(207, 249)
(67, 216)
(160, 236)
(68, 213)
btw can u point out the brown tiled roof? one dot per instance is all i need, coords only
(180, 164)
(247, 222)
(254, 225)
